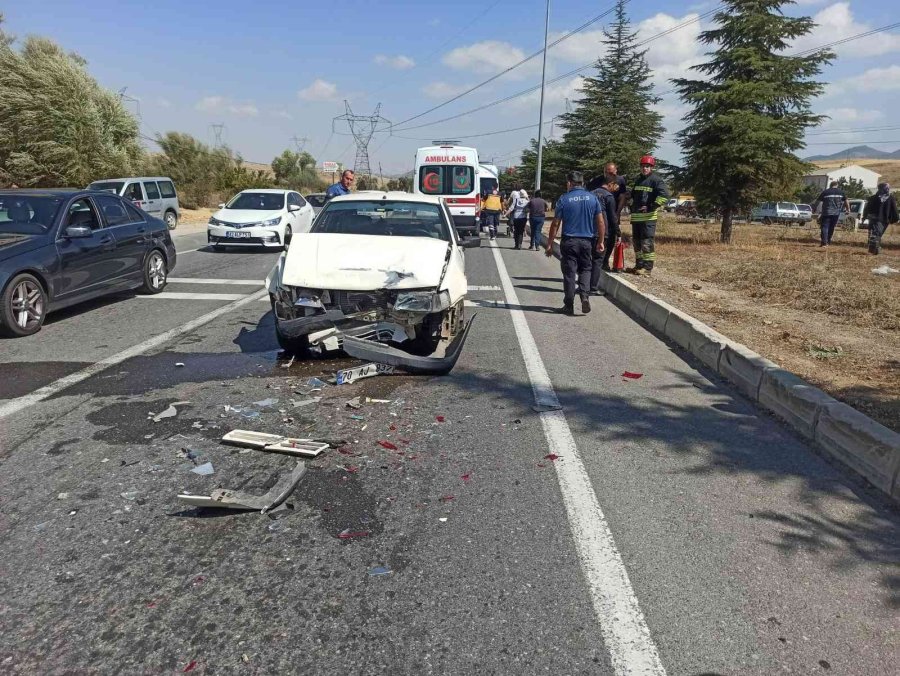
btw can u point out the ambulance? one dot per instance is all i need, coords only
(451, 171)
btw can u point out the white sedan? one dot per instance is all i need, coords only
(260, 218)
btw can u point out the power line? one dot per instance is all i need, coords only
(487, 133)
(563, 38)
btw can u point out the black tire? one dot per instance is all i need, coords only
(287, 232)
(24, 294)
(767, 221)
(155, 273)
(171, 219)
(299, 347)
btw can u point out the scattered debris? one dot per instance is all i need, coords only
(348, 534)
(129, 495)
(369, 400)
(357, 417)
(466, 477)
(305, 402)
(250, 415)
(551, 457)
(347, 376)
(229, 499)
(304, 448)
(290, 363)
(315, 383)
(380, 570)
(275, 443)
(443, 519)
(632, 376)
(265, 403)
(62, 496)
(179, 364)
(190, 666)
(388, 445)
(440, 418)
(170, 412)
(447, 498)
(884, 270)
(354, 403)
(204, 470)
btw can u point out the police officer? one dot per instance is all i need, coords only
(833, 202)
(342, 187)
(607, 196)
(583, 228)
(648, 195)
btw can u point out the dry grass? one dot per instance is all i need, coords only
(820, 313)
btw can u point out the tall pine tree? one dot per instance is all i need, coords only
(750, 109)
(614, 121)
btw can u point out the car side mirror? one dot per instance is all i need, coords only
(287, 238)
(293, 207)
(78, 232)
(470, 243)
(221, 205)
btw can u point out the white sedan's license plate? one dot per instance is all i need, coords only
(238, 234)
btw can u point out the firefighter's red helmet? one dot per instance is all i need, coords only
(648, 160)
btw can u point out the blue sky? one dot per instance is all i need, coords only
(274, 70)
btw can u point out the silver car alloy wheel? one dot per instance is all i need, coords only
(156, 270)
(27, 304)
(171, 219)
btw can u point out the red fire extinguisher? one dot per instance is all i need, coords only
(618, 262)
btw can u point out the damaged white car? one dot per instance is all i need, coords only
(382, 276)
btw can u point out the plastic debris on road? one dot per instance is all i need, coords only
(884, 270)
(265, 403)
(632, 376)
(204, 470)
(348, 534)
(305, 402)
(316, 383)
(170, 412)
(179, 364)
(354, 403)
(369, 400)
(347, 376)
(380, 570)
(229, 499)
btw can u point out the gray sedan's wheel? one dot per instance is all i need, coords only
(155, 273)
(24, 306)
(171, 219)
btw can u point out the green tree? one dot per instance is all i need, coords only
(297, 171)
(750, 107)
(614, 120)
(58, 126)
(554, 167)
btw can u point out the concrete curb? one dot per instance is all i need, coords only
(864, 445)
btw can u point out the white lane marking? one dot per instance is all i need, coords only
(485, 303)
(484, 288)
(181, 253)
(85, 373)
(622, 623)
(236, 282)
(177, 295)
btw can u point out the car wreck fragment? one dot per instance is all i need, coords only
(229, 499)
(381, 273)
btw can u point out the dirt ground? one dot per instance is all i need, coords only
(820, 313)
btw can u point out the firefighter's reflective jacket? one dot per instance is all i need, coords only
(647, 191)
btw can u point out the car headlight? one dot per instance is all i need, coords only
(311, 298)
(422, 301)
(213, 221)
(272, 221)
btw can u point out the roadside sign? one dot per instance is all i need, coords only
(330, 167)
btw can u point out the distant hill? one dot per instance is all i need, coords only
(857, 152)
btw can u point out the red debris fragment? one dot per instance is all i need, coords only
(440, 418)
(540, 464)
(552, 457)
(348, 534)
(152, 604)
(447, 498)
(393, 427)
(353, 469)
(466, 477)
(200, 579)
(190, 666)
(633, 376)
(405, 441)
(388, 445)
(345, 451)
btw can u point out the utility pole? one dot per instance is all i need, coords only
(217, 130)
(362, 127)
(380, 175)
(299, 143)
(540, 148)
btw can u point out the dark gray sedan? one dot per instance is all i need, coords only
(61, 247)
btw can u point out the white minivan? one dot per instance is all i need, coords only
(451, 171)
(154, 194)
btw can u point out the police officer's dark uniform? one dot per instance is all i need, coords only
(648, 195)
(601, 258)
(577, 210)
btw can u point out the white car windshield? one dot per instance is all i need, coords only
(258, 201)
(383, 217)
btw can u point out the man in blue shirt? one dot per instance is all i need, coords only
(607, 196)
(833, 201)
(583, 228)
(341, 188)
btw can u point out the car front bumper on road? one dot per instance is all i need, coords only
(259, 236)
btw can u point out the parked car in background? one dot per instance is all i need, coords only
(58, 248)
(381, 275)
(854, 220)
(776, 212)
(154, 194)
(806, 213)
(260, 217)
(317, 200)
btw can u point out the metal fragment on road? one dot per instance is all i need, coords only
(204, 470)
(249, 439)
(170, 412)
(275, 443)
(305, 448)
(347, 376)
(228, 499)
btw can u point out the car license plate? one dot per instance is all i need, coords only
(238, 234)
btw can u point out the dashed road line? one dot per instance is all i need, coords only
(622, 625)
(178, 295)
(223, 282)
(484, 288)
(46, 391)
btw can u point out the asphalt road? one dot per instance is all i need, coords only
(680, 530)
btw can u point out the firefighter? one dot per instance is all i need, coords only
(648, 195)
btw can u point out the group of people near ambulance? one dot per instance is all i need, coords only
(587, 219)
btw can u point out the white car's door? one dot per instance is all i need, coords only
(306, 214)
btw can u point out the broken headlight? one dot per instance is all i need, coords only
(422, 301)
(311, 298)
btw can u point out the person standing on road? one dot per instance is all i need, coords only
(648, 195)
(342, 187)
(536, 209)
(583, 228)
(881, 210)
(517, 203)
(833, 202)
(491, 206)
(600, 261)
(611, 175)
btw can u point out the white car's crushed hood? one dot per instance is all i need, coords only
(363, 262)
(245, 215)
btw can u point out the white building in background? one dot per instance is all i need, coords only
(822, 177)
